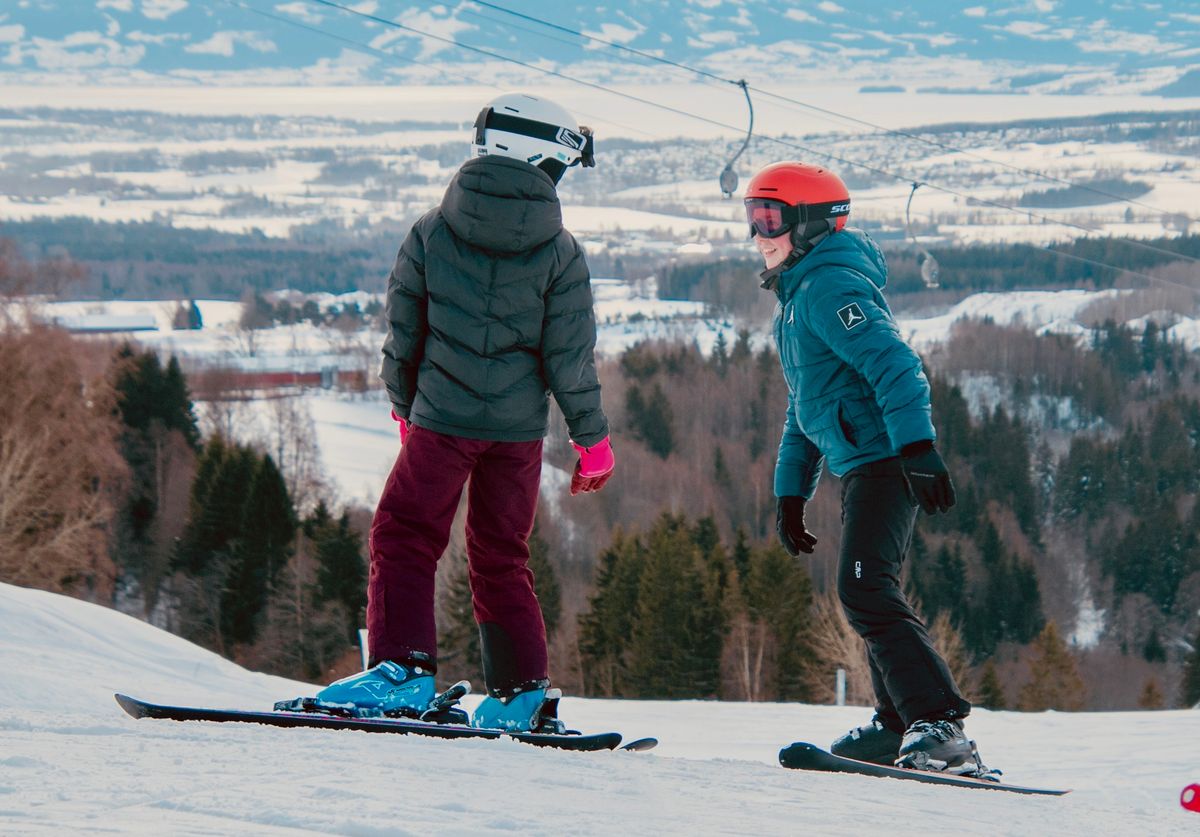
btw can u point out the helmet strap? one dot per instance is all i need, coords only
(802, 244)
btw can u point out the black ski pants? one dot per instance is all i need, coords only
(911, 680)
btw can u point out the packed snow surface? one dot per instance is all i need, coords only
(72, 762)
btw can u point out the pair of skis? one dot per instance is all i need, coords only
(798, 756)
(403, 726)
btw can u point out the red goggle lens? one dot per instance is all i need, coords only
(768, 218)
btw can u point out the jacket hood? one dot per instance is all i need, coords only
(503, 205)
(848, 248)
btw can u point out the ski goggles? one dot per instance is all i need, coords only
(580, 141)
(770, 218)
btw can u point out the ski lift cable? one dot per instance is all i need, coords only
(827, 111)
(717, 123)
(391, 56)
(954, 149)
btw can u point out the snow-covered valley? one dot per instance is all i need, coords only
(71, 760)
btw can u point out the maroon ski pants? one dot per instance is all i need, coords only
(412, 527)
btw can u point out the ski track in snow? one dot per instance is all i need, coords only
(72, 761)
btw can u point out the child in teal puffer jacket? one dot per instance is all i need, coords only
(858, 403)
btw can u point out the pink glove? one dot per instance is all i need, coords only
(594, 467)
(403, 427)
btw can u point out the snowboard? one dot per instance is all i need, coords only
(582, 743)
(801, 756)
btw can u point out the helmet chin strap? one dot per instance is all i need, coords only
(801, 247)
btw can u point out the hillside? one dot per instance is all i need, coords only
(70, 759)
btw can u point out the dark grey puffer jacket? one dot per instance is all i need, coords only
(489, 309)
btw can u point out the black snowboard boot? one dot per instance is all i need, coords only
(874, 742)
(938, 745)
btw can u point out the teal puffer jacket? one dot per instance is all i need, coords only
(857, 392)
(489, 310)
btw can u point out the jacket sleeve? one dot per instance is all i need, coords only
(407, 317)
(799, 464)
(844, 313)
(568, 349)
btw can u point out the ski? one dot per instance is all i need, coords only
(581, 743)
(801, 756)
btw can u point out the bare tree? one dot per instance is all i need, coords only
(838, 646)
(292, 440)
(60, 463)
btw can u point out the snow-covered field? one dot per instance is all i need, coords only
(72, 761)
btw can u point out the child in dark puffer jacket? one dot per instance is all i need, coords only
(489, 310)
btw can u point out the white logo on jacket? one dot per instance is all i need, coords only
(851, 315)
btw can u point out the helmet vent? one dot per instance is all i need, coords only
(502, 147)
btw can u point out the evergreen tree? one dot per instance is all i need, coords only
(606, 628)
(991, 690)
(153, 405)
(545, 580)
(1191, 675)
(650, 419)
(1153, 651)
(262, 548)
(1054, 681)
(720, 354)
(741, 552)
(742, 352)
(783, 599)
(459, 655)
(671, 653)
(341, 569)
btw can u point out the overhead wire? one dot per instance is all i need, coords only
(718, 123)
(391, 56)
(826, 111)
(694, 116)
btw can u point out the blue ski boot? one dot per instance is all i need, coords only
(388, 689)
(532, 710)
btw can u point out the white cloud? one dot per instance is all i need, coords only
(1186, 17)
(801, 16)
(368, 7)
(304, 11)
(613, 32)
(712, 39)
(1100, 37)
(114, 28)
(1027, 28)
(443, 27)
(1044, 6)
(11, 34)
(975, 11)
(162, 9)
(223, 43)
(164, 38)
(830, 7)
(115, 5)
(78, 50)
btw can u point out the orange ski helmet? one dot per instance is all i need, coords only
(790, 195)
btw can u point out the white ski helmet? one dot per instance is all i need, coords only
(535, 130)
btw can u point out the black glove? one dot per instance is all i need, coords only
(789, 522)
(927, 476)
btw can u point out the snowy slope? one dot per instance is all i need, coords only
(71, 760)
